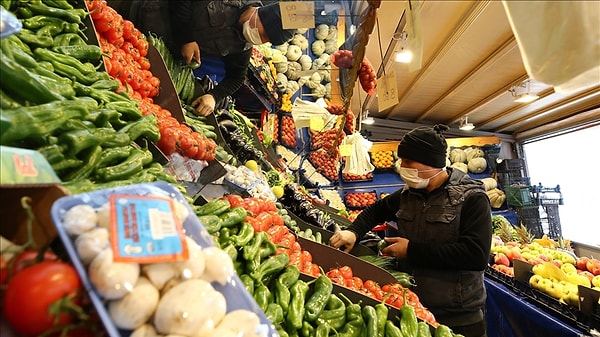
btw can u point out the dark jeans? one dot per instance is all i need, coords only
(472, 330)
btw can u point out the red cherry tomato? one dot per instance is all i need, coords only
(31, 292)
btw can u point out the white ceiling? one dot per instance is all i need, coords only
(470, 60)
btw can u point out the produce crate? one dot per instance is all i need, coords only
(367, 198)
(530, 218)
(519, 196)
(508, 165)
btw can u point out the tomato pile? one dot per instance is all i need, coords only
(327, 163)
(360, 199)
(325, 139)
(126, 49)
(288, 131)
(357, 177)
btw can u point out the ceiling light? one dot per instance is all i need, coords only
(404, 55)
(368, 121)
(522, 93)
(465, 125)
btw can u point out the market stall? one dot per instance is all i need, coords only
(145, 205)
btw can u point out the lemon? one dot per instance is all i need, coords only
(252, 165)
(278, 191)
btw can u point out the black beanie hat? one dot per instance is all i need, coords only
(425, 145)
(270, 16)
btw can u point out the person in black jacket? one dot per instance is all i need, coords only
(225, 29)
(443, 231)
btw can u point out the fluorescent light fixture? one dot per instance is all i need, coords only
(465, 125)
(368, 121)
(522, 92)
(404, 55)
(526, 98)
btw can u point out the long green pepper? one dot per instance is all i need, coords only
(372, 321)
(423, 329)
(355, 324)
(295, 313)
(408, 320)
(318, 300)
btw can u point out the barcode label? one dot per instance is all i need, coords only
(162, 224)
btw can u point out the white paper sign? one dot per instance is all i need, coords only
(387, 91)
(297, 14)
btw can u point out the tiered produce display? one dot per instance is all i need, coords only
(90, 104)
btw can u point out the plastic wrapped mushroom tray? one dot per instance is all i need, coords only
(235, 294)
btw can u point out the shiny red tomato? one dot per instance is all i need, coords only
(28, 258)
(31, 292)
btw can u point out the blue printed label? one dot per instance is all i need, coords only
(145, 230)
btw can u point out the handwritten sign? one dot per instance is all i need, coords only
(317, 123)
(387, 91)
(297, 14)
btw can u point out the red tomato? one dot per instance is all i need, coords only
(28, 258)
(31, 292)
(346, 272)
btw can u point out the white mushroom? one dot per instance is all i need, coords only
(91, 243)
(135, 308)
(145, 330)
(103, 214)
(160, 273)
(112, 280)
(194, 266)
(219, 266)
(191, 308)
(242, 322)
(79, 219)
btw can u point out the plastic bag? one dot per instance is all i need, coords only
(559, 41)
(9, 24)
(359, 162)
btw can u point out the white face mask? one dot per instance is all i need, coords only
(252, 35)
(411, 178)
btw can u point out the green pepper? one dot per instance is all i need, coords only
(114, 155)
(53, 153)
(408, 320)
(224, 235)
(127, 107)
(267, 249)
(69, 39)
(281, 331)
(307, 329)
(282, 295)
(231, 251)
(70, 15)
(80, 139)
(216, 207)
(296, 310)
(318, 300)
(233, 217)
(334, 313)
(270, 266)
(90, 160)
(248, 283)
(67, 163)
(39, 120)
(133, 164)
(102, 117)
(23, 12)
(423, 329)
(111, 84)
(263, 296)
(274, 313)
(211, 222)
(35, 40)
(54, 58)
(81, 52)
(7, 102)
(252, 248)
(62, 4)
(289, 276)
(19, 82)
(322, 330)
(355, 324)
(145, 126)
(245, 234)
(382, 313)
(372, 321)
(252, 264)
(443, 331)
(392, 330)
(82, 80)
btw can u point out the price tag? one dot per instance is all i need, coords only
(297, 14)
(317, 123)
(345, 150)
(387, 91)
(302, 123)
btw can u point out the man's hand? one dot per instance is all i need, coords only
(190, 52)
(397, 247)
(204, 105)
(344, 239)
